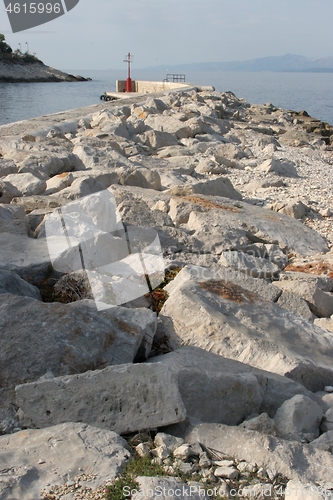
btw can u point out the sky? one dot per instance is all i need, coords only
(97, 34)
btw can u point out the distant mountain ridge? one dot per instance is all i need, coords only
(285, 63)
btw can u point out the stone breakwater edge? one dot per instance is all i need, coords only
(285, 90)
(226, 384)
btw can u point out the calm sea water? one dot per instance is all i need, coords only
(310, 91)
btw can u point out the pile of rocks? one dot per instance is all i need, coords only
(199, 471)
(237, 363)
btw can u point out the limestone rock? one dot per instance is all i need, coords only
(325, 399)
(326, 323)
(320, 302)
(49, 165)
(280, 167)
(27, 184)
(324, 442)
(297, 305)
(262, 424)
(58, 182)
(25, 256)
(226, 225)
(299, 415)
(322, 281)
(247, 264)
(39, 202)
(274, 254)
(157, 139)
(66, 338)
(84, 186)
(97, 154)
(170, 442)
(207, 166)
(239, 393)
(264, 184)
(56, 455)
(221, 186)
(123, 398)
(7, 167)
(226, 472)
(242, 390)
(141, 177)
(232, 322)
(183, 452)
(297, 210)
(327, 423)
(13, 220)
(35, 220)
(142, 450)
(8, 192)
(169, 124)
(12, 283)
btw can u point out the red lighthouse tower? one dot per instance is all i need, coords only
(128, 81)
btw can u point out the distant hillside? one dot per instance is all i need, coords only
(288, 62)
(24, 67)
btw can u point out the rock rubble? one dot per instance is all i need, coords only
(225, 369)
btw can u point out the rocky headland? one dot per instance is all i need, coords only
(16, 67)
(14, 71)
(220, 378)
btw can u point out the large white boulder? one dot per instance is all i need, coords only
(141, 177)
(27, 184)
(58, 182)
(156, 139)
(298, 416)
(222, 224)
(66, 338)
(229, 390)
(57, 455)
(165, 123)
(223, 317)
(123, 398)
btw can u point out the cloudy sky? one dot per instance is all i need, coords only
(97, 34)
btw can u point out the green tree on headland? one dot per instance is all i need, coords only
(4, 47)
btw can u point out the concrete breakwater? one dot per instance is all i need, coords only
(232, 359)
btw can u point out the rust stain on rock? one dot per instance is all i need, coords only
(197, 200)
(109, 340)
(228, 291)
(317, 267)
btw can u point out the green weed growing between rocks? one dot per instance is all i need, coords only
(138, 466)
